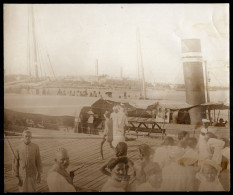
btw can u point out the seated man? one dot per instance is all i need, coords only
(58, 179)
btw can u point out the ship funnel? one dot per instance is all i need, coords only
(193, 77)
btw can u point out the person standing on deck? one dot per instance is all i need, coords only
(113, 117)
(203, 149)
(205, 125)
(120, 122)
(107, 132)
(27, 166)
(90, 122)
(76, 124)
(59, 180)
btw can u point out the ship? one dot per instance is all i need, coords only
(36, 107)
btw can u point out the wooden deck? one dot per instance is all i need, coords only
(83, 150)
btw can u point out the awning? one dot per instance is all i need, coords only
(172, 105)
(216, 106)
(142, 104)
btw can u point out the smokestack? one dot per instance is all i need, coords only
(193, 77)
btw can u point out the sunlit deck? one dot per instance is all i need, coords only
(83, 149)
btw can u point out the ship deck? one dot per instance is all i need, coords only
(82, 149)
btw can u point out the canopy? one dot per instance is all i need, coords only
(216, 106)
(142, 104)
(182, 105)
(172, 105)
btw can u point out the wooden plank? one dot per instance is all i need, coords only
(81, 151)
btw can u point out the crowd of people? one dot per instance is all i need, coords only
(184, 163)
(190, 164)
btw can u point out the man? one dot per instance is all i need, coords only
(205, 123)
(58, 179)
(119, 122)
(27, 166)
(76, 124)
(90, 122)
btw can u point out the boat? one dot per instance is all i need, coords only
(51, 109)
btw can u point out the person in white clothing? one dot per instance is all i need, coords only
(208, 176)
(205, 123)
(119, 120)
(203, 149)
(59, 180)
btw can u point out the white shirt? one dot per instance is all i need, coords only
(57, 183)
(90, 119)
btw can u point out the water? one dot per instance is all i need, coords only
(215, 96)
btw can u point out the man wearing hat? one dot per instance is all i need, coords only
(205, 123)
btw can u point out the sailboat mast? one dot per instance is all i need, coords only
(140, 61)
(34, 41)
(28, 46)
(207, 87)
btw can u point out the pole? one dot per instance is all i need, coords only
(140, 55)
(34, 40)
(207, 88)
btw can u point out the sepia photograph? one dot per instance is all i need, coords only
(116, 97)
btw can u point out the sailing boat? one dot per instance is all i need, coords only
(38, 57)
(38, 60)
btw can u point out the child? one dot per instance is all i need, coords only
(118, 178)
(153, 179)
(121, 153)
(208, 176)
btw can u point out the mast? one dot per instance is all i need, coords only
(34, 41)
(140, 62)
(28, 47)
(207, 87)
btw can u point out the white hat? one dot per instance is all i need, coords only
(90, 112)
(205, 120)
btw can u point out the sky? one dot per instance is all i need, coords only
(76, 35)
